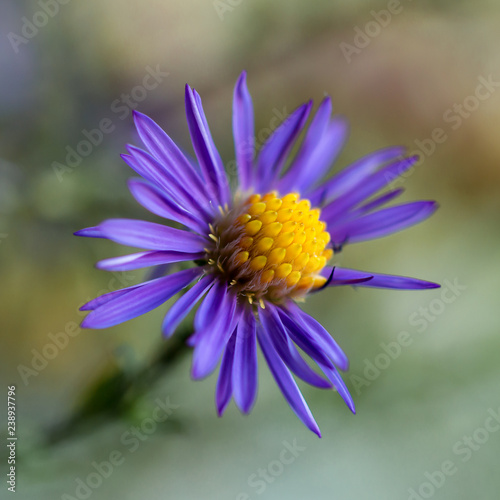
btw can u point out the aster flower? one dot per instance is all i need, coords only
(255, 252)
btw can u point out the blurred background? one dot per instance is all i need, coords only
(424, 365)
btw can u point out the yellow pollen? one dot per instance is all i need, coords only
(253, 227)
(268, 217)
(244, 218)
(274, 248)
(293, 278)
(284, 215)
(258, 263)
(242, 257)
(284, 239)
(257, 208)
(267, 276)
(283, 270)
(272, 229)
(246, 242)
(277, 256)
(264, 244)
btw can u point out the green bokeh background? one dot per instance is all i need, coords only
(413, 415)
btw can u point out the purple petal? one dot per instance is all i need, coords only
(338, 208)
(338, 277)
(152, 170)
(334, 376)
(90, 232)
(275, 151)
(145, 259)
(325, 154)
(107, 297)
(384, 222)
(182, 307)
(302, 337)
(285, 381)
(139, 300)
(354, 175)
(206, 152)
(288, 352)
(157, 202)
(385, 280)
(243, 131)
(205, 314)
(315, 132)
(211, 341)
(379, 201)
(245, 363)
(164, 149)
(152, 236)
(224, 389)
(318, 332)
(322, 144)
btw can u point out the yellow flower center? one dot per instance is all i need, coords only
(271, 247)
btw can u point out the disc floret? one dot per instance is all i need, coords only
(270, 247)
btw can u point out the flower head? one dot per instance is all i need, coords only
(257, 251)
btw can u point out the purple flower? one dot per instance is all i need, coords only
(258, 250)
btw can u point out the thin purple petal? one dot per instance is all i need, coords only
(382, 223)
(164, 149)
(379, 201)
(139, 300)
(243, 131)
(334, 376)
(182, 306)
(107, 297)
(354, 175)
(286, 382)
(245, 363)
(157, 202)
(320, 334)
(288, 352)
(152, 170)
(385, 280)
(302, 337)
(151, 236)
(341, 206)
(205, 314)
(90, 232)
(224, 389)
(145, 259)
(275, 151)
(211, 341)
(206, 152)
(337, 276)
